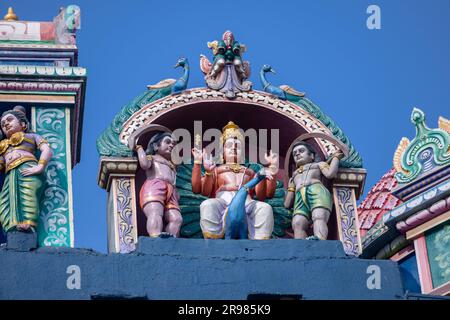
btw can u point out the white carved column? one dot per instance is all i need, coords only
(347, 188)
(117, 176)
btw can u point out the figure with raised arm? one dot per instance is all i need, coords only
(221, 183)
(310, 199)
(158, 196)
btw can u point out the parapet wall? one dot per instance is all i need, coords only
(199, 269)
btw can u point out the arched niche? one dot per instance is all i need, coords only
(256, 110)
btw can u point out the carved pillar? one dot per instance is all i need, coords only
(117, 176)
(55, 226)
(347, 188)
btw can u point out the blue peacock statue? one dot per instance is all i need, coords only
(269, 88)
(283, 91)
(236, 219)
(172, 86)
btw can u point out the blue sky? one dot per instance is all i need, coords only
(368, 81)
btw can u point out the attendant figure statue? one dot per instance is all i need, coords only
(158, 196)
(221, 183)
(23, 184)
(310, 199)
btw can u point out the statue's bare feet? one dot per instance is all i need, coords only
(312, 238)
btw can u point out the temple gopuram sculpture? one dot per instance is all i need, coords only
(202, 180)
(171, 85)
(195, 177)
(228, 72)
(222, 182)
(158, 196)
(406, 215)
(23, 184)
(310, 199)
(39, 71)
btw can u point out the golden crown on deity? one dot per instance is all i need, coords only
(231, 130)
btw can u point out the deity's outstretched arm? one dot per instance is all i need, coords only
(266, 189)
(261, 190)
(144, 161)
(271, 186)
(196, 178)
(330, 170)
(203, 185)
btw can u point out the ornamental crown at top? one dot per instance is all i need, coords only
(429, 149)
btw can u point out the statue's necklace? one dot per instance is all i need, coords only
(236, 168)
(302, 168)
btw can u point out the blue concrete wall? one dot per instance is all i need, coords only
(198, 269)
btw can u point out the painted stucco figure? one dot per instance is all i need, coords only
(221, 183)
(158, 197)
(23, 184)
(307, 196)
(236, 225)
(173, 86)
(228, 72)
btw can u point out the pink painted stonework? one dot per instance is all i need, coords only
(379, 200)
(425, 215)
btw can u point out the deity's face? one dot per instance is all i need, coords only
(232, 150)
(10, 125)
(166, 146)
(302, 155)
(228, 38)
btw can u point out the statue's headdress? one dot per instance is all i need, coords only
(155, 141)
(231, 130)
(228, 38)
(20, 113)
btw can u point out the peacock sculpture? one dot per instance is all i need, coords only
(190, 204)
(172, 86)
(280, 92)
(236, 226)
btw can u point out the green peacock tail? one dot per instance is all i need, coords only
(108, 144)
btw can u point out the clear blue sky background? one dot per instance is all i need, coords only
(366, 80)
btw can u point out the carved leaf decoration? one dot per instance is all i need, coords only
(162, 84)
(404, 142)
(205, 65)
(214, 45)
(444, 124)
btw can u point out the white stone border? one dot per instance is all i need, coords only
(150, 112)
(43, 70)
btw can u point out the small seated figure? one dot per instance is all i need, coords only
(24, 183)
(228, 50)
(310, 199)
(158, 196)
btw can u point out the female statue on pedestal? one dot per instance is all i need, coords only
(23, 184)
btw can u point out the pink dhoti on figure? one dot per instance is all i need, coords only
(159, 190)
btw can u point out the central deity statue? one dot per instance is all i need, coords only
(221, 183)
(228, 73)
